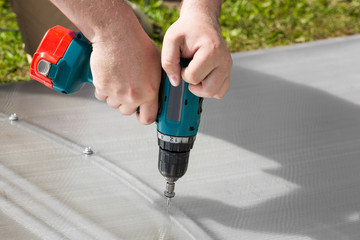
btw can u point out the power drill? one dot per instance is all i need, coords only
(62, 62)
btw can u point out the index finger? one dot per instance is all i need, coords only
(170, 58)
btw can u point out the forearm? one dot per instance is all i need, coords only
(96, 19)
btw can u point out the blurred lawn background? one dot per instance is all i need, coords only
(246, 25)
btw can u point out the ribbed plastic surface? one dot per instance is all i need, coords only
(277, 158)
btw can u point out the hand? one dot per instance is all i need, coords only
(198, 36)
(125, 63)
(127, 73)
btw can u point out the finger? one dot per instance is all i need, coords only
(170, 58)
(100, 96)
(113, 102)
(200, 67)
(201, 91)
(211, 87)
(127, 110)
(223, 90)
(148, 112)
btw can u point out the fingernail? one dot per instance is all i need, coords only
(173, 80)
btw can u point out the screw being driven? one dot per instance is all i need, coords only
(88, 151)
(13, 117)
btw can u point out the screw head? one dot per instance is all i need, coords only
(13, 117)
(88, 151)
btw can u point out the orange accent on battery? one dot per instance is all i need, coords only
(52, 48)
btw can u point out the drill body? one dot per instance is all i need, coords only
(62, 62)
(177, 125)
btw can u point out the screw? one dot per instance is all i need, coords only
(13, 117)
(88, 151)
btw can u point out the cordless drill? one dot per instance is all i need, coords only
(62, 62)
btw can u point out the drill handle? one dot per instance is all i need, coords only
(180, 110)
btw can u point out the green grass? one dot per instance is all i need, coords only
(246, 25)
(254, 24)
(13, 63)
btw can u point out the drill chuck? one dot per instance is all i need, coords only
(173, 159)
(173, 165)
(174, 155)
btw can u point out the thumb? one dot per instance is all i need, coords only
(170, 59)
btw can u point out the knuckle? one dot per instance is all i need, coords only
(213, 45)
(112, 104)
(125, 112)
(99, 83)
(228, 61)
(213, 94)
(209, 92)
(133, 96)
(117, 92)
(205, 94)
(167, 62)
(171, 36)
(219, 95)
(99, 96)
(226, 84)
(146, 120)
(193, 78)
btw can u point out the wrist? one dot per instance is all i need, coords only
(123, 26)
(101, 20)
(206, 8)
(202, 11)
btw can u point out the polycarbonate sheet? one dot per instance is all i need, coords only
(277, 158)
(53, 191)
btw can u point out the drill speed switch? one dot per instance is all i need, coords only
(61, 62)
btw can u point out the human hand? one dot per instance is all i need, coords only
(198, 36)
(125, 63)
(127, 74)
